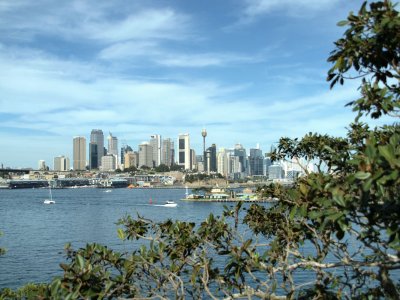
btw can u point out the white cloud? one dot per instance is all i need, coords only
(147, 24)
(259, 7)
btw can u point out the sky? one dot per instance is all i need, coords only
(248, 71)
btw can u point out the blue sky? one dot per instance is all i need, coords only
(248, 71)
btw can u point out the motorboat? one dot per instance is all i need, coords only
(170, 204)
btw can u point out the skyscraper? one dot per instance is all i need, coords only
(222, 162)
(256, 162)
(211, 158)
(113, 147)
(96, 148)
(184, 151)
(124, 150)
(79, 153)
(168, 152)
(41, 165)
(240, 152)
(145, 155)
(155, 143)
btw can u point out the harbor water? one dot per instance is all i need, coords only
(34, 234)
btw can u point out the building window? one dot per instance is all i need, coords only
(181, 157)
(182, 144)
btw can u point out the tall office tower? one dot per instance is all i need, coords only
(79, 153)
(145, 155)
(93, 156)
(184, 151)
(222, 162)
(125, 149)
(240, 152)
(96, 148)
(113, 147)
(131, 159)
(61, 163)
(256, 162)
(155, 143)
(41, 165)
(267, 163)
(234, 166)
(168, 152)
(211, 155)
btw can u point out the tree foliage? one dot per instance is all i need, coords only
(340, 224)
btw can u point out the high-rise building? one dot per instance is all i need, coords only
(222, 162)
(79, 153)
(155, 143)
(124, 150)
(184, 151)
(131, 159)
(168, 152)
(96, 148)
(108, 163)
(145, 155)
(275, 171)
(256, 162)
(61, 163)
(240, 152)
(113, 147)
(211, 156)
(41, 165)
(234, 166)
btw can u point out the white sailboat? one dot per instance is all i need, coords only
(49, 201)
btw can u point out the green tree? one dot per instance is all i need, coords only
(162, 168)
(348, 211)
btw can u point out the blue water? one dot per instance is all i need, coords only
(35, 233)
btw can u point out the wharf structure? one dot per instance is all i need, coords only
(223, 195)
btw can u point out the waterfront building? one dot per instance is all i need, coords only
(256, 162)
(108, 163)
(184, 158)
(61, 163)
(155, 143)
(145, 155)
(41, 165)
(79, 153)
(96, 148)
(168, 152)
(131, 159)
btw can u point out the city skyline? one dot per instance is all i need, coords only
(248, 71)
